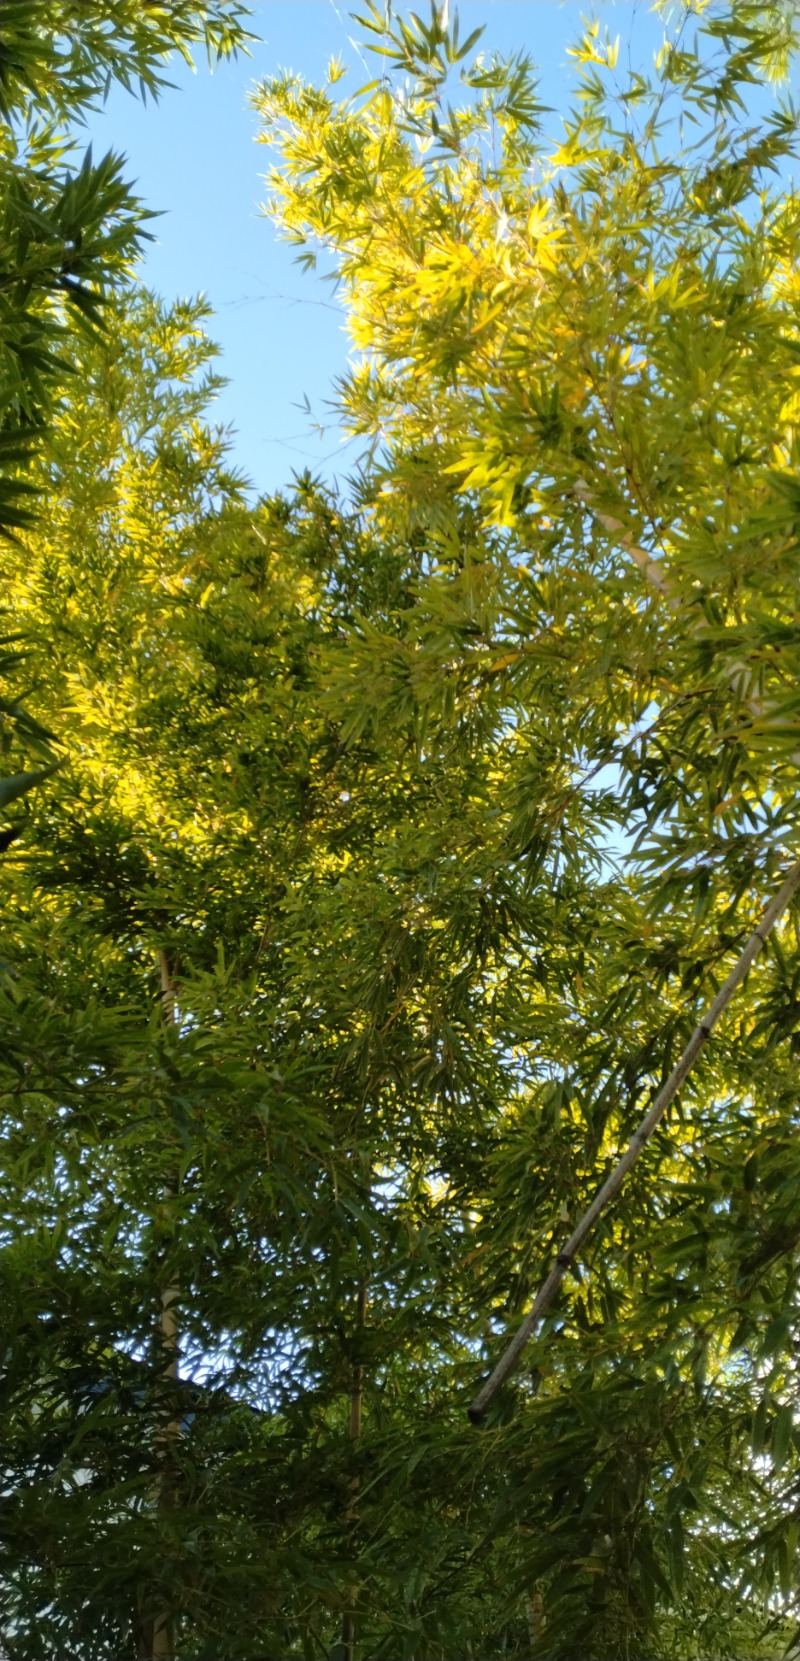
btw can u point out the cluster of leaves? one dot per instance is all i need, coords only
(578, 378)
(66, 233)
(70, 230)
(213, 815)
(399, 841)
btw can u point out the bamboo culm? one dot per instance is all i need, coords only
(159, 1636)
(610, 1188)
(356, 1409)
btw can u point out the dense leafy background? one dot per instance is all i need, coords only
(395, 844)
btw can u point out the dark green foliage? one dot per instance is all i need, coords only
(329, 983)
(67, 231)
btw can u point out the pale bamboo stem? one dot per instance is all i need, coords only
(650, 568)
(639, 1140)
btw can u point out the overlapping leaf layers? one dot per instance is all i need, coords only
(65, 234)
(578, 374)
(329, 988)
(70, 229)
(235, 1068)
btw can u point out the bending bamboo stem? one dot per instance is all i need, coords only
(638, 1142)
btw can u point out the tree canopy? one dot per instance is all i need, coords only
(67, 232)
(401, 839)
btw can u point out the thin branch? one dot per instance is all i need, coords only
(158, 1638)
(356, 1408)
(168, 1319)
(639, 1141)
(650, 568)
(168, 993)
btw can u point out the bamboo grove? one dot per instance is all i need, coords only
(369, 859)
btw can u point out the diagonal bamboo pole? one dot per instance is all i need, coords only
(639, 1140)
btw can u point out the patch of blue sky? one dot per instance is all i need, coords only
(195, 161)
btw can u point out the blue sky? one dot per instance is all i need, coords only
(194, 157)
